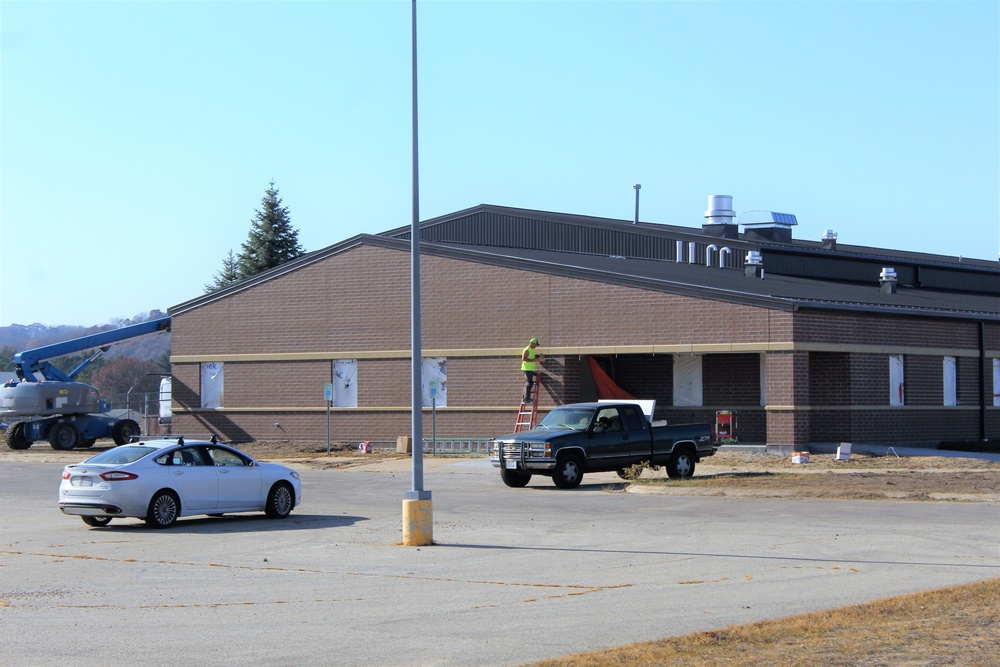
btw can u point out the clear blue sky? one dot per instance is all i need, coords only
(137, 138)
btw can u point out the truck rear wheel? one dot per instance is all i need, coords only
(681, 464)
(515, 478)
(15, 437)
(62, 436)
(124, 431)
(568, 472)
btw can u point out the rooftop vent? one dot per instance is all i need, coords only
(888, 281)
(753, 264)
(719, 218)
(768, 226)
(829, 240)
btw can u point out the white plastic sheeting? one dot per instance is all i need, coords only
(950, 375)
(687, 379)
(345, 386)
(896, 396)
(996, 382)
(212, 382)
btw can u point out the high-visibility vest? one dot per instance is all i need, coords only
(530, 364)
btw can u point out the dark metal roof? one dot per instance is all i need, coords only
(505, 227)
(772, 291)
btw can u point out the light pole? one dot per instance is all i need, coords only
(418, 522)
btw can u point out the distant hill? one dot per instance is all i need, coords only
(26, 337)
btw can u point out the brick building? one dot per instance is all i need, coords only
(806, 342)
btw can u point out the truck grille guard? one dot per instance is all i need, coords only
(521, 451)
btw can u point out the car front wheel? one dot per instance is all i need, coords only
(163, 510)
(279, 501)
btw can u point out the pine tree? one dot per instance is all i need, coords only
(229, 274)
(272, 240)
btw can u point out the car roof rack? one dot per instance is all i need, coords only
(211, 437)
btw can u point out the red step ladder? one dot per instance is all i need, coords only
(527, 413)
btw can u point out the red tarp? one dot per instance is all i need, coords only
(606, 387)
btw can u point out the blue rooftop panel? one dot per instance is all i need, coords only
(759, 218)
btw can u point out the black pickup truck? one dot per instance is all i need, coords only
(598, 437)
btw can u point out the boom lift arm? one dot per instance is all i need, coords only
(34, 362)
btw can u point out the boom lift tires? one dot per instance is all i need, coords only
(15, 437)
(124, 431)
(63, 436)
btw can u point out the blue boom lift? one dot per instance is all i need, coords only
(56, 407)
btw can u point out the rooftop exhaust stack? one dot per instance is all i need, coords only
(753, 265)
(887, 279)
(768, 226)
(829, 240)
(637, 187)
(719, 218)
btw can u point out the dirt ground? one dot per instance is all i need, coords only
(876, 477)
(735, 473)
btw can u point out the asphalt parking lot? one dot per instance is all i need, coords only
(516, 575)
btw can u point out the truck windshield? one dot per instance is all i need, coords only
(563, 418)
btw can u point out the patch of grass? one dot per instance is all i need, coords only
(958, 625)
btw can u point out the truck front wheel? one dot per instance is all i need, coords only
(568, 472)
(681, 464)
(515, 478)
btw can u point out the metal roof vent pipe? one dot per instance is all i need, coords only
(829, 240)
(720, 218)
(753, 265)
(887, 279)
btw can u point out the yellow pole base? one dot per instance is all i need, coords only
(418, 523)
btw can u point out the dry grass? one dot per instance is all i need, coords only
(959, 625)
(860, 478)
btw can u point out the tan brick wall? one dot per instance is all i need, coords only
(358, 302)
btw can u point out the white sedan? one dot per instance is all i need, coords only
(161, 480)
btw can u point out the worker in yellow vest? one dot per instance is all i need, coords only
(529, 364)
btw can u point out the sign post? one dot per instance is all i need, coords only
(328, 397)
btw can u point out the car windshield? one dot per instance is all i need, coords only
(122, 455)
(563, 418)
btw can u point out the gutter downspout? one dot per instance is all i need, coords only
(982, 381)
